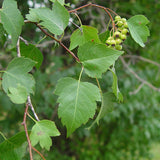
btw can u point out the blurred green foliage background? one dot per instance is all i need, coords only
(132, 130)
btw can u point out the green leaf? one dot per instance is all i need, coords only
(18, 95)
(138, 29)
(115, 88)
(107, 105)
(62, 2)
(55, 20)
(104, 36)
(77, 102)
(13, 148)
(12, 19)
(42, 131)
(32, 52)
(97, 58)
(16, 78)
(83, 35)
(2, 35)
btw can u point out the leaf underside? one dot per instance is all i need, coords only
(138, 29)
(17, 80)
(11, 19)
(55, 20)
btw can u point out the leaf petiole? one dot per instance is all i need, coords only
(3, 135)
(31, 117)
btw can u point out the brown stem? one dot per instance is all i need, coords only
(26, 131)
(98, 6)
(38, 153)
(49, 35)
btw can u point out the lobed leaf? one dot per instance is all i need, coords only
(17, 80)
(77, 102)
(55, 20)
(83, 35)
(12, 19)
(97, 58)
(138, 29)
(42, 131)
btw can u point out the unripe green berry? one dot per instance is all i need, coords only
(124, 31)
(123, 37)
(110, 38)
(120, 23)
(125, 25)
(108, 42)
(123, 20)
(113, 42)
(117, 34)
(118, 41)
(117, 18)
(118, 47)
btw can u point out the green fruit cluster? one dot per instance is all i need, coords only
(120, 35)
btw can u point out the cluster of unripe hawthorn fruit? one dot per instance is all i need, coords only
(119, 36)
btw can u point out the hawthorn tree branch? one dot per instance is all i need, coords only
(38, 153)
(18, 48)
(32, 108)
(29, 98)
(26, 131)
(58, 41)
(142, 58)
(98, 6)
(137, 90)
(137, 77)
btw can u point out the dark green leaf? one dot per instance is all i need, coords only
(77, 102)
(2, 35)
(138, 29)
(97, 58)
(32, 52)
(42, 131)
(104, 36)
(55, 20)
(83, 35)
(13, 148)
(17, 75)
(12, 19)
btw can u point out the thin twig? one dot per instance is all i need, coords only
(76, 26)
(32, 108)
(18, 48)
(143, 59)
(26, 131)
(25, 41)
(38, 153)
(98, 6)
(137, 90)
(49, 35)
(139, 78)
